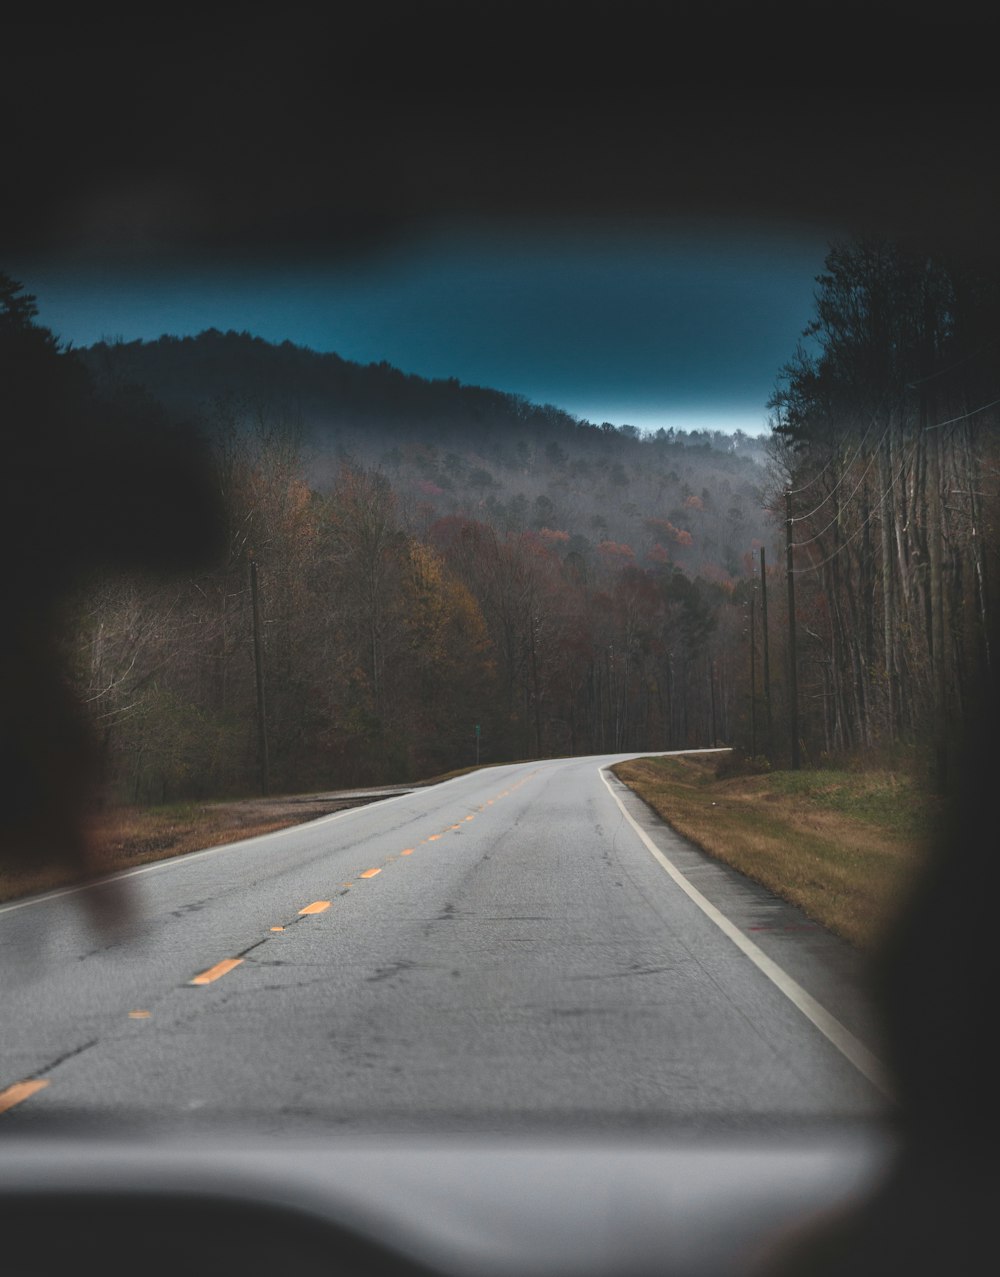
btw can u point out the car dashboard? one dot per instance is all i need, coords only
(485, 1205)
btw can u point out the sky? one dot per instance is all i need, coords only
(127, 148)
(646, 325)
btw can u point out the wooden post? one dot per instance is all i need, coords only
(769, 740)
(793, 673)
(258, 656)
(753, 676)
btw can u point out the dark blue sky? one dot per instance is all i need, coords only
(276, 141)
(644, 324)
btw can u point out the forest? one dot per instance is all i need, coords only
(428, 594)
(405, 577)
(887, 436)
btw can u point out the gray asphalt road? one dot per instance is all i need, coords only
(500, 951)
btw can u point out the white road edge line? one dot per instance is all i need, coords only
(174, 861)
(868, 1064)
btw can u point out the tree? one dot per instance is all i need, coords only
(89, 483)
(874, 432)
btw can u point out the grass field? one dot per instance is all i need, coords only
(842, 845)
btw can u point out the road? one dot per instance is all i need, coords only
(498, 952)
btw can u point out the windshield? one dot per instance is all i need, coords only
(501, 630)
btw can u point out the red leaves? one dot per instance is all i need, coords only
(663, 529)
(616, 550)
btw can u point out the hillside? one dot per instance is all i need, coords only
(456, 451)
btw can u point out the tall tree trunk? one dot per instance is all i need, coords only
(889, 592)
(937, 601)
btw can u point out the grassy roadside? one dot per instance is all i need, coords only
(842, 845)
(126, 837)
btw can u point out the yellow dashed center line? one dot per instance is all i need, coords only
(214, 973)
(21, 1091)
(317, 906)
(18, 1092)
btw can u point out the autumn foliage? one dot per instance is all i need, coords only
(535, 579)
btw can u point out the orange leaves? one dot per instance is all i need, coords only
(717, 575)
(663, 529)
(616, 550)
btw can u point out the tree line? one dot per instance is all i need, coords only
(386, 655)
(387, 605)
(885, 444)
(424, 598)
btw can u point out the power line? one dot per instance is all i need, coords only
(795, 491)
(801, 517)
(943, 372)
(864, 475)
(814, 567)
(964, 417)
(936, 426)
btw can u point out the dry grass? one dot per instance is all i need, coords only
(126, 837)
(841, 845)
(844, 846)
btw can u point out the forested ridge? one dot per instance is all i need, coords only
(417, 575)
(475, 576)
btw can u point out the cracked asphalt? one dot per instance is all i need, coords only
(497, 952)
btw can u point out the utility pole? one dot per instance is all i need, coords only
(793, 675)
(753, 676)
(258, 656)
(767, 662)
(935, 547)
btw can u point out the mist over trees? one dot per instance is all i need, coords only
(444, 572)
(449, 573)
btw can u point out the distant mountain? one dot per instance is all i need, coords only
(320, 392)
(324, 395)
(433, 557)
(468, 452)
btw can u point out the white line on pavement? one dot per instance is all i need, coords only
(842, 1038)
